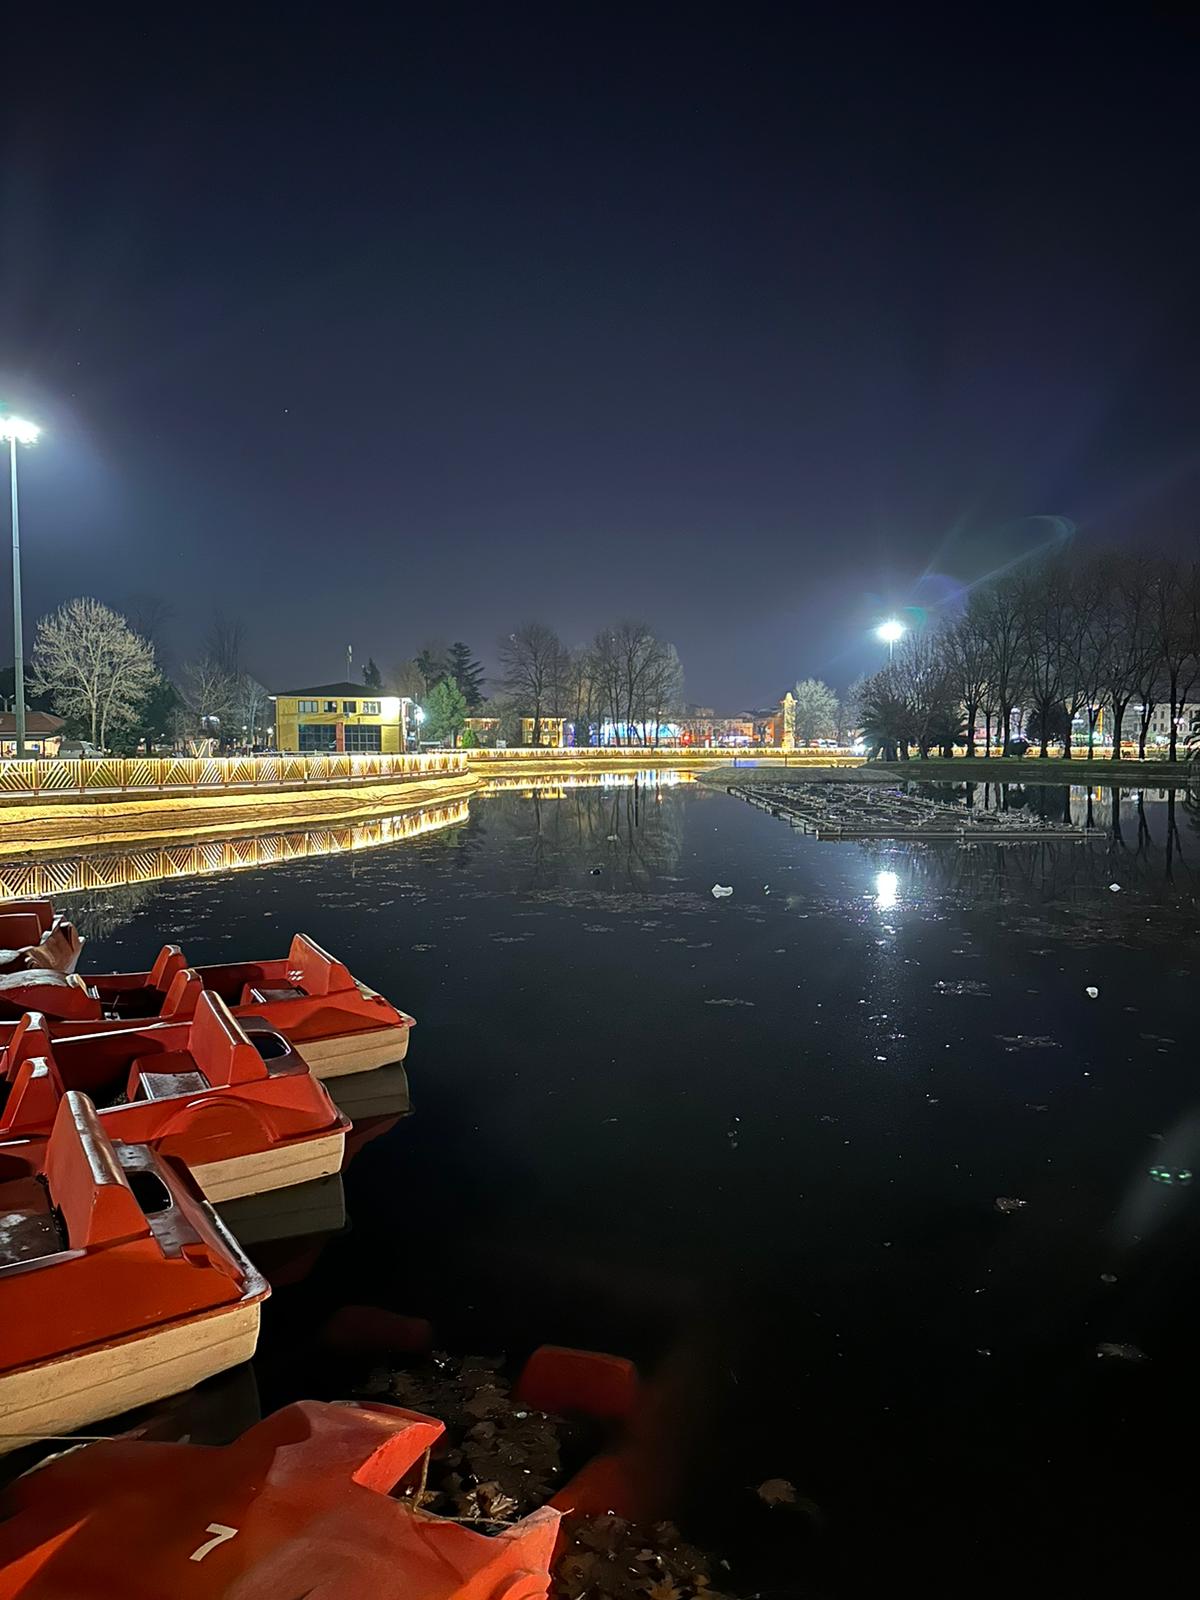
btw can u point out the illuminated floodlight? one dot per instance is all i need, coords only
(890, 631)
(18, 430)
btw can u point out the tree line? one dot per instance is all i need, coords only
(1038, 648)
(104, 672)
(621, 688)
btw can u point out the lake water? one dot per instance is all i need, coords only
(756, 1143)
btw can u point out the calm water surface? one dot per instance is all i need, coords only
(756, 1143)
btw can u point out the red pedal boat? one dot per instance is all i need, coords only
(235, 1103)
(118, 1285)
(34, 936)
(299, 1505)
(337, 1024)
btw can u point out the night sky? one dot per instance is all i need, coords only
(756, 322)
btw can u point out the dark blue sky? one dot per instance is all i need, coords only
(755, 322)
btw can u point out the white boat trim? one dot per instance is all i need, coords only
(354, 1052)
(56, 1396)
(294, 1162)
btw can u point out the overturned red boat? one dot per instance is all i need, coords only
(316, 1499)
(118, 1284)
(336, 1024)
(233, 1101)
(300, 1504)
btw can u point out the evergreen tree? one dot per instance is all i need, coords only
(372, 677)
(445, 711)
(466, 672)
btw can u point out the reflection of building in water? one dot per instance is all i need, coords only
(110, 869)
(557, 787)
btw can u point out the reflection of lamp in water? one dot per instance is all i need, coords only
(887, 890)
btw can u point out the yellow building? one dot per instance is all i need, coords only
(553, 731)
(340, 716)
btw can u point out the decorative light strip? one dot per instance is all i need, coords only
(152, 863)
(117, 775)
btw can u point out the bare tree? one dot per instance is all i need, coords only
(532, 663)
(1126, 583)
(1176, 621)
(920, 678)
(816, 711)
(406, 680)
(210, 692)
(965, 653)
(92, 664)
(997, 613)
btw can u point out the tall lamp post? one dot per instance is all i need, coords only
(889, 632)
(17, 431)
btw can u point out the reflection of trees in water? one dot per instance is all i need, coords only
(97, 913)
(630, 831)
(1141, 850)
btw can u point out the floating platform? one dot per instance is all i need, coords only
(871, 811)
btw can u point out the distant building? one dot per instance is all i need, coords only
(552, 732)
(43, 733)
(1158, 734)
(342, 717)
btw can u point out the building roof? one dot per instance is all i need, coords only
(37, 723)
(336, 691)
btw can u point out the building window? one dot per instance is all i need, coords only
(363, 737)
(349, 707)
(306, 705)
(331, 705)
(315, 736)
(370, 708)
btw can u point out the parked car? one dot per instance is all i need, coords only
(77, 749)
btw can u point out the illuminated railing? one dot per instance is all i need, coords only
(661, 755)
(117, 775)
(108, 869)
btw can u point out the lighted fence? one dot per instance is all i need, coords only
(117, 775)
(661, 755)
(110, 869)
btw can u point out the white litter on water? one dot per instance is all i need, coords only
(1006, 1204)
(1115, 887)
(721, 890)
(1091, 992)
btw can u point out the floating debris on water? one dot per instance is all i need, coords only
(1006, 1204)
(1121, 1352)
(721, 891)
(962, 986)
(1028, 1041)
(777, 1492)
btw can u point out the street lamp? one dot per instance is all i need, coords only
(17, 431)
(889, 632)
